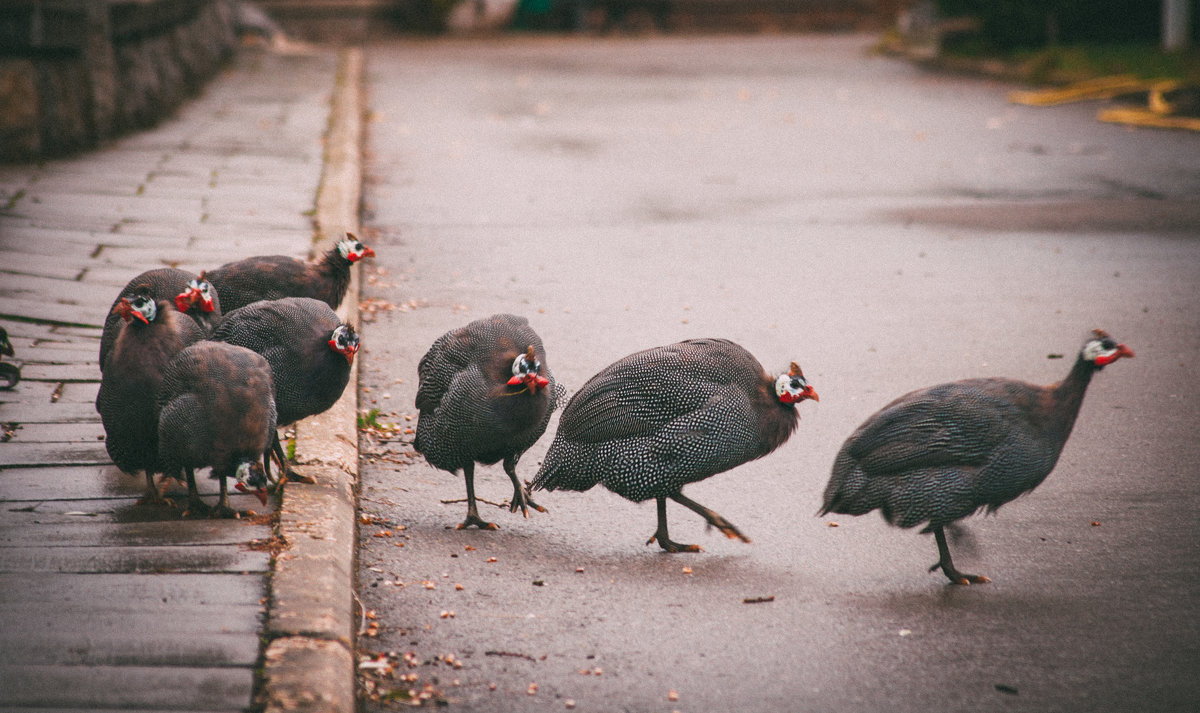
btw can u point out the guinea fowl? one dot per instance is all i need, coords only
(659, 419)
(271, 277)
(217, 409)
(193, 296)
(485, 395)
(939, 454)
(309, 349)
(9, 372)
(149, 335)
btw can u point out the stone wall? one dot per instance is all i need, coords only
(76, 72)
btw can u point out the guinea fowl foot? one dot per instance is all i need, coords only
(664, 540)
(945, 564)
(726, 527)
(195, 508)
(522, 499)
(957, 577)
(474, 519)
(672, 547)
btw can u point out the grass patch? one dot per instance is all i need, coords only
(370, 419)
(1061, 64)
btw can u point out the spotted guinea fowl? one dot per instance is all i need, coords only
(309, 349)
(10, 373)
(217, 406)
(939, 454)
(192, 295)
(659, 419)
(485, 395)
(271, 277)
(149, 335)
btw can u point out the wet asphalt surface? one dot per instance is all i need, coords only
(887, 229)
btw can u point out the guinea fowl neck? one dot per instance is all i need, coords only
(335, 267)
(1067, 397)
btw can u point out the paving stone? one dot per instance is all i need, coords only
(97, 687)
(47, 413)
(59, 432)
(132, 559)
(16, 453)
(58, 373)
(85, 315)
(26, 264)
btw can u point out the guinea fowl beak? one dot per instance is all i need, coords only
(367, 251)
(260, 492)
(1122, 351)
(532, 381)
(811, 394)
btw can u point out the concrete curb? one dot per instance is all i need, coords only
(309, 662)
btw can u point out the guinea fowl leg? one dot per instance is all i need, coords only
(726, 527)
(664, 541)
(285, 470)
(222, 509)
(472, 509)
(194, 501)
(521, 498)
(153, 494)
(947, 566)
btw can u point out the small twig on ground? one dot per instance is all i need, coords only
(513, 654)
(478, 500)
(758, 600)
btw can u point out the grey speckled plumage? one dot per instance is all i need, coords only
(217, 409)
(940, 454)
(272, 277)
(165, 283)
(659, 419)
(128, 397)
(469, 410)
(294, 334)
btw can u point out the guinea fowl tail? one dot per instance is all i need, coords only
(560, 472)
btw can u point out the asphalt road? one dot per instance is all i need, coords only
(886, 228)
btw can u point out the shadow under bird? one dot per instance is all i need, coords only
(272, 277)
(310, 352)
(659, 419)
(940, 454)
(149, 334)
(9, 372)
(217, 409)
(485, 395)
(192, 295)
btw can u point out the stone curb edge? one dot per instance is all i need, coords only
(309, 660)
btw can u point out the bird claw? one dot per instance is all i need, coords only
(673, 547)
(957, 577)
(477, 522)
(521, 499)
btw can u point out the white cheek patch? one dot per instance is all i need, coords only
(1095, 349)
(782, 384)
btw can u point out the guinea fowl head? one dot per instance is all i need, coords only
(344, 341)
(353, 249)
(1103, 350)
(525, 372)
(141, 307)
(251, 478)
(792, 387)
(198, 292)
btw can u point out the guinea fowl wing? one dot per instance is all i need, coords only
(265, 277)
(446, 359)
(628, 399)
(949, 425)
